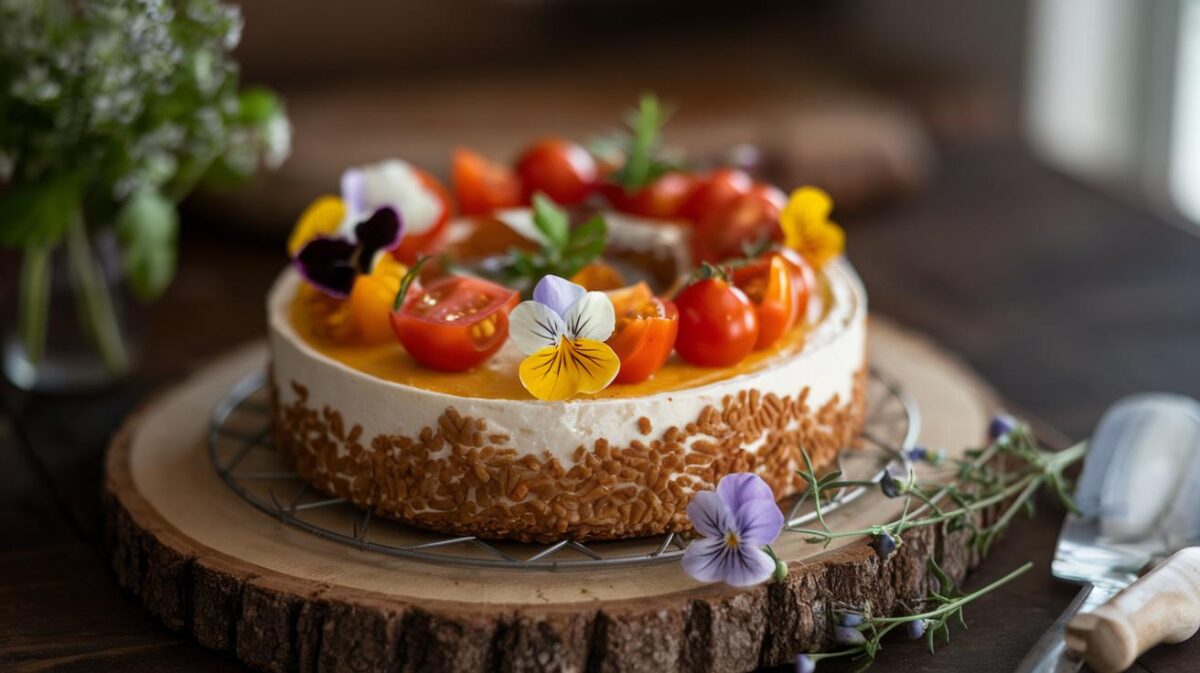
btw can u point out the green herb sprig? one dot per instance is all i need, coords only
(644, 160)
(1006, 475)
(932, 617)
(564, 249)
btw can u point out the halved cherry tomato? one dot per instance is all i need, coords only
(715, 190)
(749, 218)
(560, 169)
(645, 332)
(454, 323)
(413, 246)
(769, 286)
(803, 281)
(661, 199)
(481, 185)
(718, 325)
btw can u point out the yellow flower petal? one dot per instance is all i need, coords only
(387, 266)
(807, 229)
(574, 366)
(322, 218)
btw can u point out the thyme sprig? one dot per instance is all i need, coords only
(864, 633)
(1006, 474)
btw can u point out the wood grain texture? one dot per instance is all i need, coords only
(262, 599)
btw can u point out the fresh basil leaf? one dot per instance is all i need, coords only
(550, 220)
(39, 212)
(587, 241)
(148, 229)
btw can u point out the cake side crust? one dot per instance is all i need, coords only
(457, 477)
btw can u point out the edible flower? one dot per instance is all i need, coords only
(397, 184)
(736, 522)
(807, 228)
(562, 331)
(1001, 426)
(333, 263)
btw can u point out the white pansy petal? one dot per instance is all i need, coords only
(533, 326)
(592, 317)
(391, 183)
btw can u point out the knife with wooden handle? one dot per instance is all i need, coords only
(1161, 607)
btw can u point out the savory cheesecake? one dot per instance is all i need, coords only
(473, 453)
(676, 327)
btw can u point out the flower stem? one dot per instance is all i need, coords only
(34, 307)
(94, 300)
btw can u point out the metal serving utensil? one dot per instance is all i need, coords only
(1139, 500)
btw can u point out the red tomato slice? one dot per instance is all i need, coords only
(661, 199)
(455, 322)
(645, 332)
(718, 325)
(413, 246)
(481, 185)
(562, 170)
(768, 285)
(714, 191)
(749, 218)
(803, 281)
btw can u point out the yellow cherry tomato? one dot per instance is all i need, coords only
(371, 300)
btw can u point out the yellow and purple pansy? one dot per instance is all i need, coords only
(562, 332)
(807, 228)
(332, 263)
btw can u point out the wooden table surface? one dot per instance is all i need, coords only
(1065, 299)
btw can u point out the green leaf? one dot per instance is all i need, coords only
(148, 228)
(586, 242)
(551, 221)
(643, 164)
(39, 212)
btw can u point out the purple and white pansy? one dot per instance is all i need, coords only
(736, 522)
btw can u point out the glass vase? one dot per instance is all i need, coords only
(70, 332)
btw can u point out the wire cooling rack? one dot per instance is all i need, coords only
(239, 444)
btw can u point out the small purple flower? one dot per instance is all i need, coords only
(332, 264)
(915, 629)
(736, 521)
(884, 544)
(916, 453)
(845, 635)
(850, 619)
(1001, 426)
(888, 484)
(805, 664)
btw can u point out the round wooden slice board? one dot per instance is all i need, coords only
(281, 599)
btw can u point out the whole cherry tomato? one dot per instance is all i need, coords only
(803, 281)
(561, 169)
(749, 218)
(768, 284)
(413, 246)
(718, 325)
(644, 334)
(660, 199)
(714, 191)
(454, 323)
(481, 185)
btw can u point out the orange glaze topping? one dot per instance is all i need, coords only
(497, 378)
